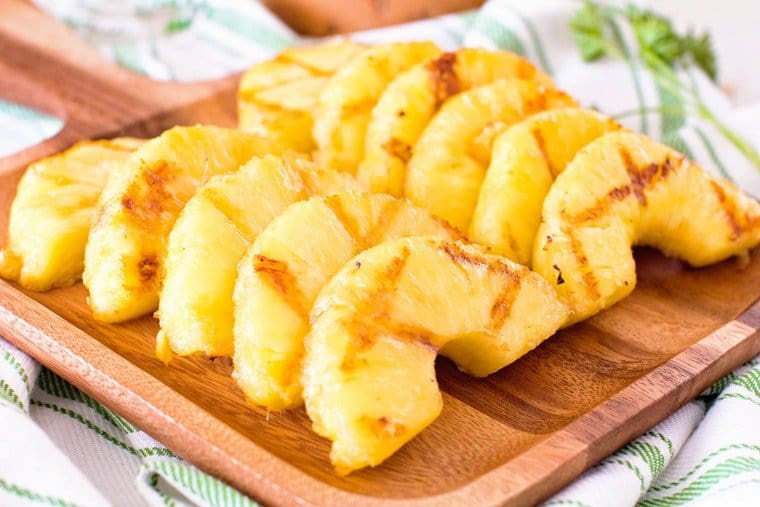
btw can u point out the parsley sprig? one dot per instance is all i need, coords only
(661, 49)
(657, 39)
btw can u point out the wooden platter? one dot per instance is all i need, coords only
(513, 438)
(328, 17)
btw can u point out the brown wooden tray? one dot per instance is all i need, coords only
(328, 17)
(515, 437)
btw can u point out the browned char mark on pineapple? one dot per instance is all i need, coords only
(345, 217)
(641, 179)
(144, 202)
(148, 267)
(443, 78)
(148, 198)
(384, 426)
(316, 70)
(279, 277)
(386, 217)
(538, 136)
(502, 305)
(375, 319)
(249, 95)
(738, 222)
(399, 149)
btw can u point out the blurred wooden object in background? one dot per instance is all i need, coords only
(327, 17)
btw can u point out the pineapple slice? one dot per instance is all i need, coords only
(369, 376)
(453, 152)
(126, 246)
(276, 98)
(51, 214)
(410, 101)
(344, 106)
(524, 162)
(625, 189)
(212, 233)
(284, 270)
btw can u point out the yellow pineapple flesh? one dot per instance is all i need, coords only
(449, 162)
(51, 213)
(276, 98)
(127, 242)
(284, 270)
(412, 99)
(524, 162)
(212, 233)
(625, 189)
(344, 106)
(369, 376)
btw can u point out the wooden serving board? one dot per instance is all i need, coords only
(515, 437)
(328, 17)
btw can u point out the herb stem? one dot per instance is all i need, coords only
(661, 50)
(665, 111)
(668, 78)
(739, 143)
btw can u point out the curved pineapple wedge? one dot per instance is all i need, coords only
(453, 152)
(276, 98)
(410, 101)
(344, 106)
(51, 213)
(524, 162)
(284, 270)
(369, 376)
(211, 234)
(126, 246)
(625, 189)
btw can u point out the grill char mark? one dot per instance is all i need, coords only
(650, 175)
(737, 222)
(589, 280)
(376, 320)
(443, 77)
(399, 149)
(345, 217)
(640, 180)
(278, 276)
(541, 143)
(502, 306)
(144, 203)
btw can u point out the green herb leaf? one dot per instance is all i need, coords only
(701, 51)
(587, 27)
(655, 35)
(177, 25)
(661, 49)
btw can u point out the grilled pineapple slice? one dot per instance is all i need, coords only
(286, 267)
(344, 106)
(212, 233)
(524, 162)
(453, 152)
(625, 189)
(50, 216)
(126, 246)
(369, 376)
(410, 101)
(276, 98)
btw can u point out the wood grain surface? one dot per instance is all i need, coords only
(328, 17)
(515, 437)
